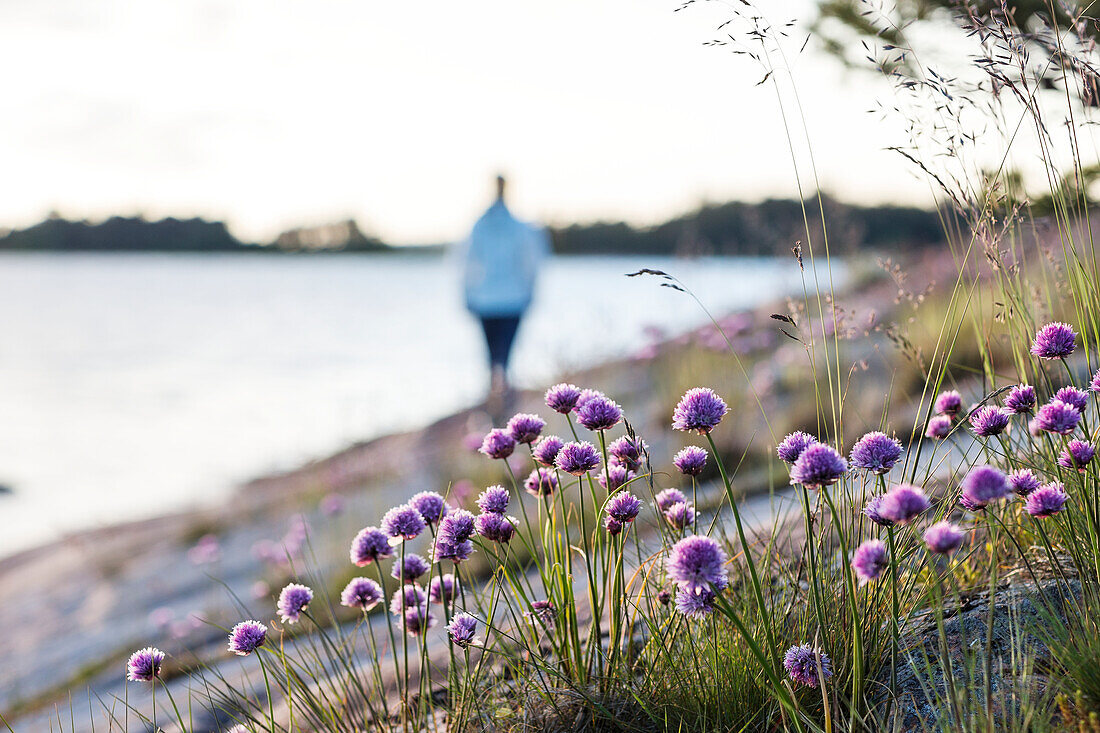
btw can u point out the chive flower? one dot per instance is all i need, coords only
(541, 482)
(1054, 341)
(624, 507)
(246, 637)
(696, 605)
(983, 486)
(293, 599)
(1023, 481)
(431, 506)
(585, 396)
(699, 410)
(599, 413)
(562, 397)
(628, 451)
(664, 597)
(525, 427)
(495, 527)
(696, 563)
(1020, 399)
(1047, 500)
(370, 545)
(690, 461)
(791, 447)
(417, 620)
(494, 500)
(498, 444)
(948, 403)
(612, 525)
(543, 612)
(665, 499)
(614, 477)
(144, 664)
(406, 597)
(875, 452)
(818, 466)
(869, 561)
(443, 589)
(803, 662)
(1073, 396)
(873, 512)
(943, 538)
(1057, 417)
(458, 526)
(989, 421)
(361, 593)
(939, 427)
(1094, 384)
(463, 630)
(903, 504)
(445, 549)
(410, 569)
(1077, 455)
(680, 515)
(577, 458)
(546, 450)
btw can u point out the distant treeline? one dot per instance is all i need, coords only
(768, 228)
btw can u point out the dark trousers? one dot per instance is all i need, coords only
(500, 332)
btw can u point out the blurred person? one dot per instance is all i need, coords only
(501, 263)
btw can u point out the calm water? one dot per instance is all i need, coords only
(135, 384)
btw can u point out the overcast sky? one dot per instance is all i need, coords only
(275, 114)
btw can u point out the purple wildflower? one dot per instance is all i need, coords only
(695, 605)
(1054, 341)
(1057, 417)
(525, 427)
(680, 515)
(541, 482)
(562, 397)
(403, 522)
(495, 527)
(696, 563)
(407, 596)
(546, 450)
(818, 466)
(370, 545)
(1076, 455)
(585, 396)
(578, 458)
(462, 630)
(144, 664)
(939, 427)
(873, 512)
(700, 410)
(668, 497)
(1047, 500)
(493, 500)
(1094, 384)
(246, 637)
(624, 507)
(612, 525)
(1023, 481)
(948, 403)
(361, 593)
(869, 561)
(445, 549)
(664, 597)
(430, 505)
(989, 421)
(498, 444)
(983, 486)
(443, 589)
(943, 538)
(614, 477)
(457, 526)
(792, 446)
(1021, 399)
(802, 663)
(875, 452)
(412, 567)
(543, 612)
(599, 413)
(902, 504)
(417, 620)
(293, 599)
(1073, 396)
(628, 450)
(691, 460)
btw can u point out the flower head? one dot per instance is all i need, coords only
(462, 630)
(546, 450)
(1094, 383)
(668, 497)
(246, 637)
(943, 538)
(869, 561)
(1057, 417)
(447, 549)
(1054, 341)
(458, 526)
(939, 427)
(525, 427)
(293, 599)
(430, 505)
(696, 563)
(1076, 455)
(989, 421)
(948, 403)
(700, 410)
(902, 504)
(875, 452)
(443, 589)
(543, 612)
(680, 515)
(1020, 399)
(664, 597)
(983, 486)
(1023, 481)
(495, 527)
(498, 444)
(411, 568)
(541, 482)
(1047, 500)
(624, 507)
(493, 500)
(417, 620)
(695, 605)
(370, 545)
(818, 466)
(599, 413)
(612, 525)
(873, 512)
(578, 458)
(361, 593)
(802, 664)
(614, 477)
(691, 460)
(562, 397)
(1073, 396)
(628, 451)
(403, 522)
(407, 596)
(144, 664)
(792, 446)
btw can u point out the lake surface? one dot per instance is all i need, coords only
(131, 385)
